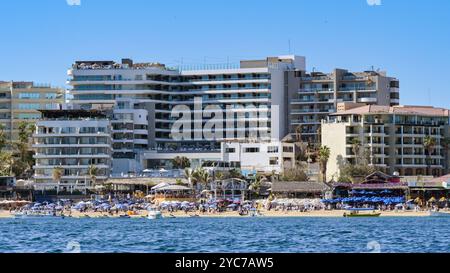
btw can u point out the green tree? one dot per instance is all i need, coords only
(57, 174)
(445, 142)
(356, 145)
(429, 143)
(324, 155)
(294, 174)
(92, 171)
(181, 162)
(349, 172)
(256, 184)
(3, 137)
(6, 163)
(234, 173)
(23, 155)
(190, 177)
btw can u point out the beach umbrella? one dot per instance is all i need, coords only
(432, 199)
(442, 199)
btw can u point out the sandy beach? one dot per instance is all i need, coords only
(318, 213)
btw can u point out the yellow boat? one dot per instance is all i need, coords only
(361, 212)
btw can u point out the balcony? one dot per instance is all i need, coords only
(367, 100)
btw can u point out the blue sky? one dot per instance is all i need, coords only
(408, 38)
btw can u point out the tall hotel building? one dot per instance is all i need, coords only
(390, 138)
(143, 95)
(21, 101)
(72, 140)
(318, 94)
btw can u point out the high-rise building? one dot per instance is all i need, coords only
(317, 95)
(72, 140)
(391, 138)
(21, 101)
(247, 101)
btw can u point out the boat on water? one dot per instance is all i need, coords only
(256, 214)
(154, 214)
(433, 213)
(34, 214)
(361, 212)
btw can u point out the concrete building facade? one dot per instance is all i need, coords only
(318, 94)
(391, 138)
(252, 97)
(21, 101)
(72, 140)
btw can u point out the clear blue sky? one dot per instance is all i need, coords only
(408, 38)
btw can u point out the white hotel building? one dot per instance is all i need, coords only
(72, 140)
(143, 95)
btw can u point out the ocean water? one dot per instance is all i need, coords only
(296, 235)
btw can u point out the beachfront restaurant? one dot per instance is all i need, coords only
(142, 184)
(171, 192)
(232, 189)
(430, 192)
(299, 190)
(377, 189)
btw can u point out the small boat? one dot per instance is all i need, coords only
(194, 215)
(124, 216)
(433, 213)
(154, 214)
(33, 214)
(256, 214)
(361, 212)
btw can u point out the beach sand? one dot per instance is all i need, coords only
(179, 214)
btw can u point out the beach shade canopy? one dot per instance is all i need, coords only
(160, 185)
(231, 206)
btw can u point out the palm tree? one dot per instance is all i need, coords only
(57, 174)
(256, 184)
(3, 138)
(445, 142)
(429, 143)
(181, 162)
(205, 178)
(324, 155)
(356, 144)
(189, 174)
(92, 172)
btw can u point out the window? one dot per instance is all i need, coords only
(288, 149)
(50, 96)
(28, 106)
(29, 96)
(251, 150)
(230, 150)
(273, 161)
(272, 149)
(29, 116)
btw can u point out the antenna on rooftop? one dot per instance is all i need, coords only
(289, 45)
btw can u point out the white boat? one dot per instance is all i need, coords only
(154, 214)
(438, 214)
(33, 214)
(256, 214)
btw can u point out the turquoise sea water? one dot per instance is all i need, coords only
(226, 235)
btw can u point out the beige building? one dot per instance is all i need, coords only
(20, 101)
(388, 137)
(318, 94)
